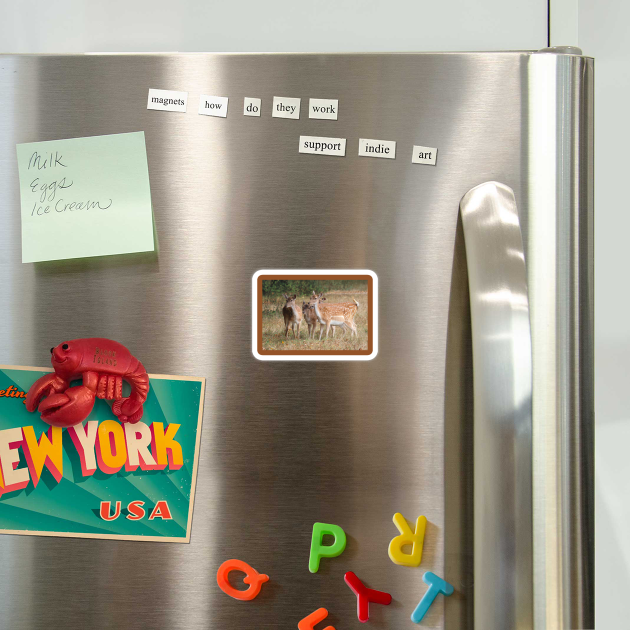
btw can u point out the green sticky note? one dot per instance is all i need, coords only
(85, 197)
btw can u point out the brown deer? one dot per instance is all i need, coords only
(310, 318)
(292, 315)
(334, 314)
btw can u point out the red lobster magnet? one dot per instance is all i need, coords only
(103, 364)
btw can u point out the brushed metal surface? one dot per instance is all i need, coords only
(502, 368)
(283, 445)
(559, 254)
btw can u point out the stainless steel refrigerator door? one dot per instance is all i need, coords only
(284, 444)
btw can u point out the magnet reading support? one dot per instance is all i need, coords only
(407, 537)
(252, 577)
(436, 586)
(365, 596)
(308, 623)
(319, 551)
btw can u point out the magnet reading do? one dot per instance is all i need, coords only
(251, 106)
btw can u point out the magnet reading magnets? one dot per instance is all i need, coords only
(103, 364)
(252, 577)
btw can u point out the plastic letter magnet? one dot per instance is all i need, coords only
(252, 577)
(407, 537)
(365, 596)
(319, 551)
(308, 623)
(436, 586)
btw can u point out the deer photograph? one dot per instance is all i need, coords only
(335, 314)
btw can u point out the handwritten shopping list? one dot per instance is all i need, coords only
(85, 197)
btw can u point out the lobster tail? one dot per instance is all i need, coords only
(130, 409)
(139, 381)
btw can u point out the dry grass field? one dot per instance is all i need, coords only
(273, 325)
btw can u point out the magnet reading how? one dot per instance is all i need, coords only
(213, 105)
(377, 148)
(252, 577)
(407, 537)
(436, 586)
(322, 146)
(319, 550)
(285, 107)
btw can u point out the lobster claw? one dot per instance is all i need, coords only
(43, 386)
(68, 408)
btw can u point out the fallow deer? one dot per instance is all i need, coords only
(334, 315)
(292, 315)
(310, 318)
(345, 310)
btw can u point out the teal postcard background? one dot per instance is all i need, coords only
(72, 505)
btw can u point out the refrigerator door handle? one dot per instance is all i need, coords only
(502, 374)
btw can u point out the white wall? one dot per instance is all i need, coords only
(270, 25)
(603, 27)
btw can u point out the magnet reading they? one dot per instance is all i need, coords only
(252, 577)
(407, 537)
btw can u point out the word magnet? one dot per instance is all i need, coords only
(252, 577)
(365, 595)
(319, 551)
(285, 107)
(251, 106)
(436, 586)
(213, 106)
(407, 537)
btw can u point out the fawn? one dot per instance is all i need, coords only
(292, 315)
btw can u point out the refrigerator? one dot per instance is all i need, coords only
(477, 409)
